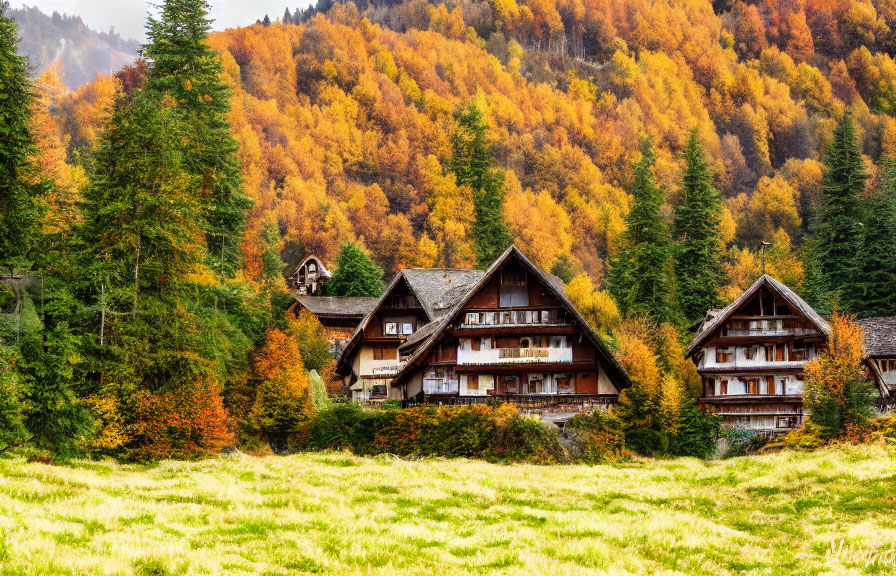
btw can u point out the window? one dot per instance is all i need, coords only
(525, 343)
(723, 387)
(472, 318)
(378, 390)
(723, 355)
(384, 353)
(391, 329)
(786, 422)
(475, 344)
(407, 328)
(798, 352)
(556, 342)
(750, 352)
(774, 353)
(506, 318)
(545, 317)
(473, 382)
(752, 385)
(564, 383)
(490, 317)
(511, 384)
(514, 291)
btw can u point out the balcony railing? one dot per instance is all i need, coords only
(515, 356)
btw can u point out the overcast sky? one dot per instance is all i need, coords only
(129, 16)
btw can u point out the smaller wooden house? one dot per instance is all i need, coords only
(308, 276)
(880, 355)
(752, 353)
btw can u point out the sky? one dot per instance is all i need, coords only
(129, 16)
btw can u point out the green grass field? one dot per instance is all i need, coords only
(341, 514)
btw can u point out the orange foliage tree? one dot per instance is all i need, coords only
(282, 398)
(837, 393)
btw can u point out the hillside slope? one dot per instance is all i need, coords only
(345, 120)
(80, 52)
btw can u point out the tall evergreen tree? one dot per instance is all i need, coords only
(142, 237)
(641, 277)
(473, 166)
(837, 234)
(19, 207)
(355, 275)
(875, 288)
(697, 231)
(184, 66)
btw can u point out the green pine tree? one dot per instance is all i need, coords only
(19, 200)
(142, 236)
(697, 231)
(641, 277)
(837, 234)
(355, 275)
(184, 66)
(473, 166)
(875, 289)
(54, 417)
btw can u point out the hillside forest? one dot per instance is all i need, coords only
(656, 156)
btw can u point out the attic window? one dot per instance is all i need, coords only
(514, 291)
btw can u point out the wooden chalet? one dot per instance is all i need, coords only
(880, 355)
(507, 333)
(751, 355)
(308, 276)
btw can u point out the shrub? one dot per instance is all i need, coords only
(742, 441)
(698, 433)
(494, 433)
(595, 437)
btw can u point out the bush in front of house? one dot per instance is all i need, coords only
(595, 438)
(494, 433)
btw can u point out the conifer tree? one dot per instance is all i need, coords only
(19, 208)
(837, 234)
(142, 237)
(473, 166)
(355, 275)
(697, 231)
(184, 66)
(875, 288)
(641, 277)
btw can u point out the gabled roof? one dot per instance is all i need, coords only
(880, 336)
(435, 288)
(437, 328)
(321, 269)
(337, 306)
(715, 319)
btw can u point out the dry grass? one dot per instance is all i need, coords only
(340, 514)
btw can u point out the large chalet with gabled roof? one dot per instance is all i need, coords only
(466, 336)
(751, 356)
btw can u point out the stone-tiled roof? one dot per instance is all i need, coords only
(438, 289)
(880, 336)
(714, 320)
(337, 306)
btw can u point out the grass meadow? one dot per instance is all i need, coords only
(830, 512)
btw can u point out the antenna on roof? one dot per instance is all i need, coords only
(764, 246)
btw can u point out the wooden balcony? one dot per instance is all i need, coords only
(576, 402)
